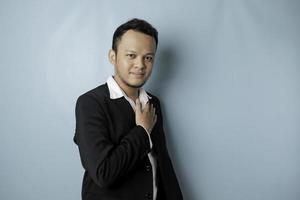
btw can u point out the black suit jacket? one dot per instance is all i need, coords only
(113, 150)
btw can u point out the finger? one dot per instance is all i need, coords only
(155, 119)
(147, 106)
(153, 107)
(152, 110)
(138, 106)
(150, 107)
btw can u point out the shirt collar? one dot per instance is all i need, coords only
(116, 92)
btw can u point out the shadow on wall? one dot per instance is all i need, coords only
(166, 70)
(163, 71)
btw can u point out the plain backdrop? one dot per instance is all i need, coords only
(227, 74)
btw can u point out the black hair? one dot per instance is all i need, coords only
(136, 25)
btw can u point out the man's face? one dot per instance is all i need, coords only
(134, 59)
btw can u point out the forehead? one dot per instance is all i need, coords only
(137, 41)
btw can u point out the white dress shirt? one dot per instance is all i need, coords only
(116, 92)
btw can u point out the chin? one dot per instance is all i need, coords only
(137, 84)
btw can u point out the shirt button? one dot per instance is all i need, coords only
(148, 168)
(148, 196)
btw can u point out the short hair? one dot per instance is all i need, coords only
(136, 25)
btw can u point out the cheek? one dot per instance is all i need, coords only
(124, 64)
(149, 67)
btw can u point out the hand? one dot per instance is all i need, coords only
(145, 117)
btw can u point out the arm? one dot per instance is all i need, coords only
(104, 161)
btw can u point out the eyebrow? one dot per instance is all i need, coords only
(132, 51)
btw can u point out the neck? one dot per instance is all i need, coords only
(131, 92)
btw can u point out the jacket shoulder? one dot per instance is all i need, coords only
(99, 93)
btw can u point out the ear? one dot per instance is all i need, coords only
(112, 56)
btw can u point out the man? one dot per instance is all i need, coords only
(119, 126)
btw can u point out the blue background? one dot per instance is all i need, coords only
(227, 74)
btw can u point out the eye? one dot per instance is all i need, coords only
(130, 55)
(149, 58)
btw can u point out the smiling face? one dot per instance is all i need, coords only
(133, 60)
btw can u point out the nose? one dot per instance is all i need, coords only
(140, 63)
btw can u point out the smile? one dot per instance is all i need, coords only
(137, 74)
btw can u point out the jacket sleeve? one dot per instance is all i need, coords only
(105, 162)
